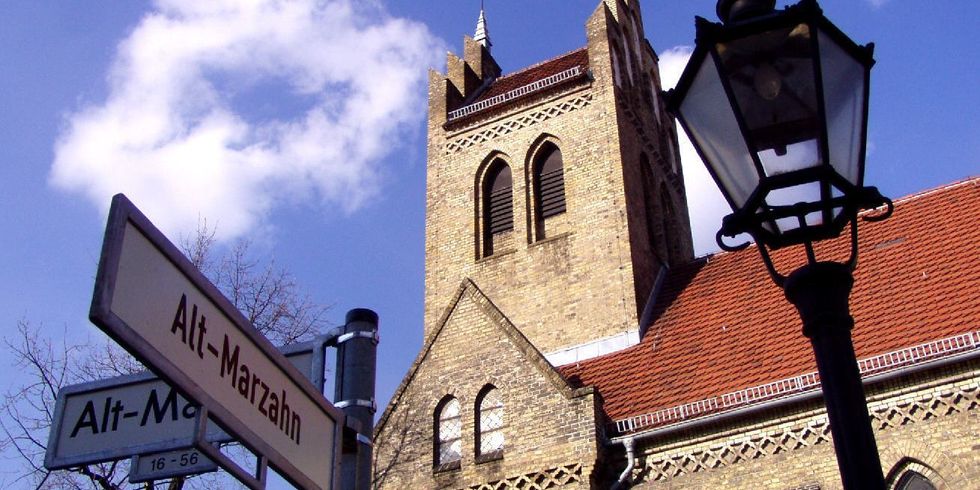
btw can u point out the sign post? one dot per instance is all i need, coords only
(159, 307)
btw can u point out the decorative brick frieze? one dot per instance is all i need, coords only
(561, 476)
(512, 124)
(950, 401)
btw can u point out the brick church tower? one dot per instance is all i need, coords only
(556, 189)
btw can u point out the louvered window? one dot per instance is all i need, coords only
(551, 183)
(498, 205)
(500, 201)
(914, 481)
(490, 434)
(449, 443)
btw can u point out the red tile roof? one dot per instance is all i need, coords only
(514, 81)
(540, 71)
(721, 324)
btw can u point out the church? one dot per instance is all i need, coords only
(573, 340)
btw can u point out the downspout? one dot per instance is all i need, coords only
(630, 462)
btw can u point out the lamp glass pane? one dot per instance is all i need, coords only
(787, 196)
(843, 88)
(772, 78)
(714, 130)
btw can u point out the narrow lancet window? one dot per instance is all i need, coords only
(448, 437)
(490, 434)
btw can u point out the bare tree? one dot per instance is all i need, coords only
(267, 295)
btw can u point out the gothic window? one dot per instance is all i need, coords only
(490, 432)
(498, 204)
(448, 435)
(667, 207)
(614, 51)
(549, 182)
(636, 35)
(912, 480)
(629, 54)
(655, 95)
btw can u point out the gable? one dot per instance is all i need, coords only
(475, 346)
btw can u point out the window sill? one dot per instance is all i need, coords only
(496, 255)
(552, 238)
(446, 467)
(490, 457)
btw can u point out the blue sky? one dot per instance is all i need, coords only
(303, 129)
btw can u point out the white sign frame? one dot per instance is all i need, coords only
(141, 275)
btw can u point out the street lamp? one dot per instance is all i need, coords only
(776, 104)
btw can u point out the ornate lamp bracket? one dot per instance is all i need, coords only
(751, 223)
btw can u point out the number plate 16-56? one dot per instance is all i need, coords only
(158, 466)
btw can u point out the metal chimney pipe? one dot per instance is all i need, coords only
(354, 391)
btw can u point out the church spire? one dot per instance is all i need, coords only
(482, 35)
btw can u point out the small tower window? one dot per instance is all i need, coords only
(490, 433)
(498, 205)
(448, 437)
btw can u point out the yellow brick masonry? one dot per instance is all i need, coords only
(550, 429)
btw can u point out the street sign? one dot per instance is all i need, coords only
(141, 413)
(169, 464)
(158, 306)
(116, 418)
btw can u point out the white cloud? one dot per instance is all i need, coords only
(186, 130)
(705, 203)
(878, 3)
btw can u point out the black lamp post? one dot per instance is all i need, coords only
(776, 104)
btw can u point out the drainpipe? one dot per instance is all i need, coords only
(630, 462)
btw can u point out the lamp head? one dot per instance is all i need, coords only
(776, 105)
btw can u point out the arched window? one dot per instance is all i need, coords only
(650, 204)
(498, 204)
(629, 54)
(448, 435)
(655, 95)
(667, 221)
(912, 480)
(549, 182)
(490, 431)
(617, 77)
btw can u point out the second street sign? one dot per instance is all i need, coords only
(126, 415)
(157, 305)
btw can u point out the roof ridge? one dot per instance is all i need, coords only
(945, 187)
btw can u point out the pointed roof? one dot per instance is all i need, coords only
(721, 327)
(482, 34)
